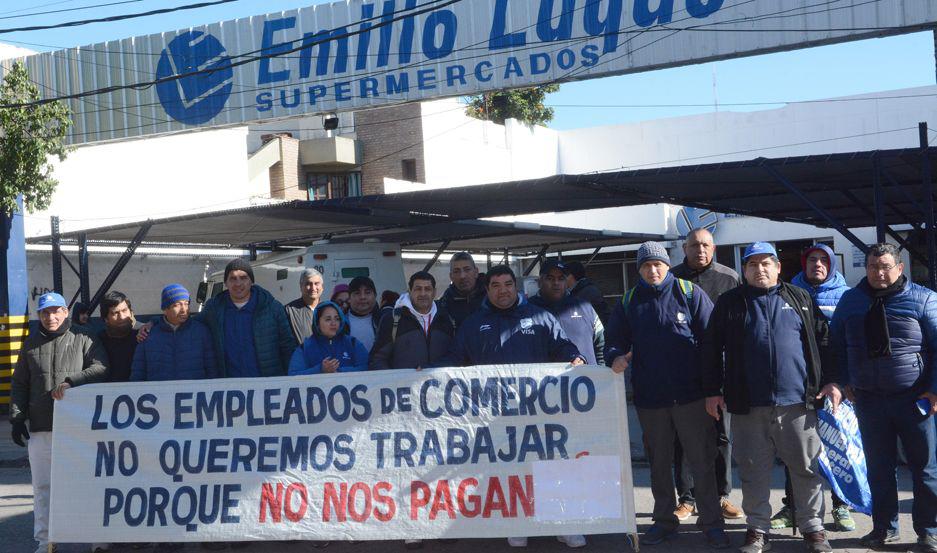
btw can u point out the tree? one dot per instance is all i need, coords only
(523, 104)
(28, 136)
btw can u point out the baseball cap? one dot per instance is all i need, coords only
(551, 264)
(759, 248)
(51, 299)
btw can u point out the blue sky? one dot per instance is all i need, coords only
(852, 68)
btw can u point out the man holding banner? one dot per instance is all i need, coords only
(507, 329)
(763, 362)
(52, 360)
(661, 322)
(885, 336)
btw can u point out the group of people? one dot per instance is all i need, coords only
(702, 347)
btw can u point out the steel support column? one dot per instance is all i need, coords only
(431, 262)
(928, 187)
(538, 259)
(812, 205)
(83, 269)
(56, 256)
(119, 265)
(888, 230)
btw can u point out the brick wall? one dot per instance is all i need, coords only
(286, 175)
(388, 136)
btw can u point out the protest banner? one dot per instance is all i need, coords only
(520, 450)
(842, 460)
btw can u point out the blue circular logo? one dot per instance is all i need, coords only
(692, 218)
(195, 99)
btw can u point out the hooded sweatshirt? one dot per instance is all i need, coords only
(351, 354)
(417, 341)
(828, 293)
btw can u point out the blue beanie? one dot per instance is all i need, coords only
(652, 251)
(173, 293)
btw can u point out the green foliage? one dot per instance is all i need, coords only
(28, 136)
(523, 104)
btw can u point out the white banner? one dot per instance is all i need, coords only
(520, 450)
(358, 54)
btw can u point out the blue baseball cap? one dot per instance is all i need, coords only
(51, 299)
(759, 248)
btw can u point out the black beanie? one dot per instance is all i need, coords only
(239, 265)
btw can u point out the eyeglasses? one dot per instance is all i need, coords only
(880, 268)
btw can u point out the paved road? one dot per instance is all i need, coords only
(16, 527)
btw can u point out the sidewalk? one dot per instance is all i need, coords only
(11, 455)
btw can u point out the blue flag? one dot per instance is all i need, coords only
(842, 459)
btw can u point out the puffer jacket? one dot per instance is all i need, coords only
(184, 353)
(523, 333)
(412, 346)
(46, 361)
(460, 307)
(351, 354)
(828, 293)
(912, 327)
(273, 337)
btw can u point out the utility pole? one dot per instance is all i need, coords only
(14, 296)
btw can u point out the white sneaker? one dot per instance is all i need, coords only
(573, 541)
(517, 542)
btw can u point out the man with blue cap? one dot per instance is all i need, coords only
(54, 358)
(657, 327)
(766, 361)
(177, 348)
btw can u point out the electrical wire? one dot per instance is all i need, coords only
(70, 9)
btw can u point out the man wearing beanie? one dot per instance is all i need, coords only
(657, 328)
(766, 361)
(249, 328)
(177, 348)
(826, 286)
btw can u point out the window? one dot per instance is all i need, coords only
(324, 186)
(408, 168)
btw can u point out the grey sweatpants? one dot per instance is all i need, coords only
(789, 433)
(697, 434)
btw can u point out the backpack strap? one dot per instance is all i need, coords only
(626, 299)
(393, 332)
(687, 288)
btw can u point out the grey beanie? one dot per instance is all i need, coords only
(652, 251)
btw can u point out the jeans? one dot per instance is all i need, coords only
(881, 420)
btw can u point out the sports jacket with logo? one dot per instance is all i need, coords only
(663, 326)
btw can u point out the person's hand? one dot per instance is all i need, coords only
(59, 392)
(833, 392)
(329, 365)
(144, 332)
(849, 393)
(621, 363)
(713, 405)
(577, 361)
(20, 433)
(932, 398)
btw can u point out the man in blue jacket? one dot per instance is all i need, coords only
(177, 347)
(507, 329)
(885, 336)
(826, 286)
(657, 327)
(579, 320)
(250, 330)
(766, 361)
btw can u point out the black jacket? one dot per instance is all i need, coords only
(460, 307)
(411, 348)
(715, 279)
(724, 345)
(586, 290)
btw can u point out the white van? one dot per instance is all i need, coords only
(339, 263)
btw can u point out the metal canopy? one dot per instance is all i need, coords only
(300, 223)
(841, 184)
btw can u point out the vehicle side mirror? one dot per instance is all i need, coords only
(202, 293)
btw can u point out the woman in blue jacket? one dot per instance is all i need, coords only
(330, 349)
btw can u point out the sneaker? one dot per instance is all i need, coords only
(100, 547)
(730, 511)
(878, 538)
(716, 538)
(817, 542)
(517, 542)
(927, 543)
(783, 519)
(755, 542)
(573, 541)
(413, 544)
(684, 510)
(842, 520)
(657, 534)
